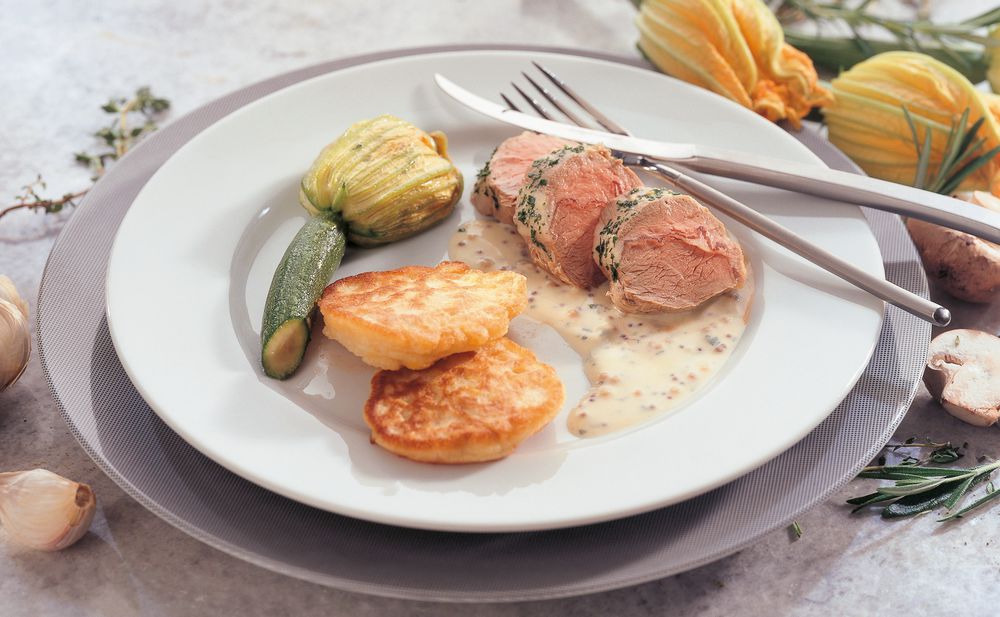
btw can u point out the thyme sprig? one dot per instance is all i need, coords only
(960, 44)
(962, 155)
(918, 487)
(117, 137)
(29, 197)
(941, 452)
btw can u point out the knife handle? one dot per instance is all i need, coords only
(877, 286)
(849, 187)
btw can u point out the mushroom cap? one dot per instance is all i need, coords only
(964, 265)
(963, 373)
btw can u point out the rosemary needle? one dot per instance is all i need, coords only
(796, 529)
(962, 154)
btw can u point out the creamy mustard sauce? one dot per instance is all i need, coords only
(639, 366)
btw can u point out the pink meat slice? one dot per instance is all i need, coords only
(559, 206)
(663, 251)
(495, 192)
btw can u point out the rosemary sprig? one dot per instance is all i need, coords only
(906, 32)
(961, 45)
(919, 488)
(117, 137)
(962, 155)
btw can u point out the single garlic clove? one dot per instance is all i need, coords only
(15, 334)
(15, 343)
(9, 293)
(44, 510)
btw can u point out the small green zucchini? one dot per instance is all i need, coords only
(305, 269)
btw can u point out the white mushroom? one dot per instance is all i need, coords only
(963, 373)
(964, 265)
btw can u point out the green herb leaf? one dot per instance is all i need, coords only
(972, 131)
(963, 488)
(895, 472)
(868, 500)
(904, 487)
(952, 152)
(979, 502)
(922, 502)
(961, 154)
(952, 185)
(961, 45)
(923, 152)
(945, 454)
(796, 529)
(989, 18)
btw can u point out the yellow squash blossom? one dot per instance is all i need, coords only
(993, 59)
(868, 123)
(735, 48)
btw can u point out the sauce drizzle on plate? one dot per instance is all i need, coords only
(639, 366)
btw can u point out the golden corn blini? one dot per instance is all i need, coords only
(467, 408)
(414, 316)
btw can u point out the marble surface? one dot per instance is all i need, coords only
(62, 59)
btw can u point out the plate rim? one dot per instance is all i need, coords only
(71, 406)
(562, 521)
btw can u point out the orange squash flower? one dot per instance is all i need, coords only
(735, 48)
(868, 123)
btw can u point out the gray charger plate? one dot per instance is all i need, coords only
(176, 482)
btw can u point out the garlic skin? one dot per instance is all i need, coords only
(15, 334)
(43, 510)
(9, 293)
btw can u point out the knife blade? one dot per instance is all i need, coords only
(815, 180)
(630, 145)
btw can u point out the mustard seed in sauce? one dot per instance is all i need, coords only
(621, 367)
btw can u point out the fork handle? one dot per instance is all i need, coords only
(849, 187)
(878, 287)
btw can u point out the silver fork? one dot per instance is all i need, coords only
(878, 287)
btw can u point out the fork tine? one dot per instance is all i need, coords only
(548, 96)
(531, 101)
(603, 120)
(509, 102)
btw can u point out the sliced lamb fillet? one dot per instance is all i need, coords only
(663, 251)
(498, 182)
(558, 209)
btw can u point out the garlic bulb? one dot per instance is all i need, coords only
(44, 510)
(15, 335)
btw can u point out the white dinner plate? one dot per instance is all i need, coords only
(193, 258)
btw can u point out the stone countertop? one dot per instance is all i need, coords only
(62, 59)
